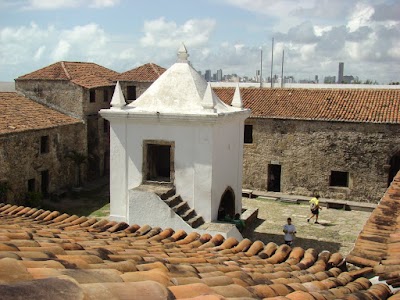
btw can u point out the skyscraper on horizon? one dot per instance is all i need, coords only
(341, 70)
(207, 75)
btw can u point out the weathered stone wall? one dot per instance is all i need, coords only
(59, 94)
(75, 101)
(98, 138)
(21, 160)
(141, 87)
(309, 150)
(92, 108)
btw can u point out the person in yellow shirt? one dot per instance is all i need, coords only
(315, 208)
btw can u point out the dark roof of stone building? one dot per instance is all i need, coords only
(21, 114)
(52, 255)
(350, 105)
(146, 73)
(378, 244)
(85, 74)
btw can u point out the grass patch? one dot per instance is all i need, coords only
(94, 202)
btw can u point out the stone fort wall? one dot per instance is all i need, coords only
(21, 159)
(308, 151)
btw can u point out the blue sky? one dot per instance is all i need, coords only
(219, 34)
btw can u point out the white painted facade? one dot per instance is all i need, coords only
(207, 138)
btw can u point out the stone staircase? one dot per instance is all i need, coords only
(181, 207)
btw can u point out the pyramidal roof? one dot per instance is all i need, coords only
(181, 90)
(85, 74)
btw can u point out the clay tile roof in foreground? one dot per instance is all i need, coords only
(378, 244)
(146, 73)
(50, 255)
(351, 105)
(21, 114)
(85, 74)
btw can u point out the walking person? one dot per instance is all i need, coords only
(290, 231)
(315, 208)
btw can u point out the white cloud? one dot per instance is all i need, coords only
(361, 16)
(103, 3)
(61, 51)
(61, 4)
(167, 34)
(39, 53)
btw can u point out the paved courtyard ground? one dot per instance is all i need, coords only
(337, 231)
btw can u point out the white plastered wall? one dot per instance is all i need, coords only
(227, 163)
(118, 167)
(192, 161)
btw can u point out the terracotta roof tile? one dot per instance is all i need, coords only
(85, 74)
(159, 264)
(377, 244)
(146, 73)
(351, 105)
(21, 114)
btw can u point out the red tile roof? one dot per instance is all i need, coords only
(88, 75)
(21, 114)
(352, 105)
(49, 255)
(145, 73)
(378, 244)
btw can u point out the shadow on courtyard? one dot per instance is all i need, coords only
(92, 199)
(251, 233)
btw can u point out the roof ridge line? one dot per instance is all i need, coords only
(154, 69)
(65, 70)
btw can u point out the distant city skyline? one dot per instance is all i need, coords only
(223, 34)
(341, 79)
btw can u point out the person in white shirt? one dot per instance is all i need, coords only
(290, 232)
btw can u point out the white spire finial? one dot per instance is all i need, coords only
(183, 54)
(118, 99)
(209, 101)
(237, 98)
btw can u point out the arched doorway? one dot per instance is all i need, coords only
(227, 204)
(394, 167)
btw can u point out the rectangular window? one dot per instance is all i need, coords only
(158, 161)
(339, 178)
(131, 92)
(248, 134)
(31, 185)
(92, 95)
(44, 144)
(106, 126)
(105, 95)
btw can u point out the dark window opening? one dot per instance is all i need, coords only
(45, 183)
(226, 208)
(274, 178)
(105, 95)
(248, 134)
(106, 126)
(44, 144)
(131, 92)
(31, 185)
(158, 162)
(38, 91)
(92, 95)
(339, 178)
(394, 167)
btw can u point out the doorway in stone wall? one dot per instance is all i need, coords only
(274, 178)
(158, 160)
(227, 204)
(394, 167)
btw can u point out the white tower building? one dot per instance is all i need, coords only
(176, 153)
